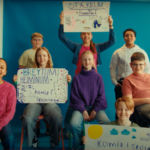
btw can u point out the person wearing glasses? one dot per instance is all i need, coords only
(120, 61)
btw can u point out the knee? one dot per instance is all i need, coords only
(74, 125)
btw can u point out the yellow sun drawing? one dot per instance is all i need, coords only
(95, 131)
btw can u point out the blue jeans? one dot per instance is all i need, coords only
(52, 115)
(7, 138)
(76, 121)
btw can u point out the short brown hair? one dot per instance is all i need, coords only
(36, 34)
(49, 62)
(137, 56)
(128, 101)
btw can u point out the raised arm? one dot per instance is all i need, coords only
(112, 37)
(71, 45)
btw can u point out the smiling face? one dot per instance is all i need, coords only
(87, 61)
(3, 68)
(37, 42)
(86, 37)
(123, 113)
(42, 58)
(138, 66)
(129, 38)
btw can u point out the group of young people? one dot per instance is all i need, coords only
(87, 99)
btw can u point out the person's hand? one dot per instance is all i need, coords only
(86, 116)
(84, 139)
(119, 84)
(61, 17)
(68, 78)
(15, 78)
(110, 20)
(92, 115)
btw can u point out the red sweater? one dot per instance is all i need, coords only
(7, 103)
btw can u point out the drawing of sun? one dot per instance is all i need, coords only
(95, 131)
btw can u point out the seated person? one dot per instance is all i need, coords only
(124, 109)
(137, 85)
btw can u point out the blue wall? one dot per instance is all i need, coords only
(22, 18)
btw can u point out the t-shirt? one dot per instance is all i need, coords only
(27, 58)
(83, 49)
(137, 85)
(116, 123)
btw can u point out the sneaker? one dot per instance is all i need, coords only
(67, 135)
(35, 143)
(52, 143)
(47, 131)
(38, 132)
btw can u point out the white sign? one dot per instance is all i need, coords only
(86, 16)
(36, 85)
(116, 137)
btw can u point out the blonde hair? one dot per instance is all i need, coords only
(49, 62)
(36, 34)
(128, 101)
(88, 52)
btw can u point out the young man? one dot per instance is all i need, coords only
(119, 66)
(27, 58)
(137, 85)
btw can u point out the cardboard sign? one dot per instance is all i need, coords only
(37, 85)
(86, 16)
(116, 137)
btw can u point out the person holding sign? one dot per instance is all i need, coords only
(137, 85)
(124, 109)
(120, 61)
(88, 44)
(7, 108)
(87, 100)
(51, 111)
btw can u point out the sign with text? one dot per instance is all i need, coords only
(86, 16)
(42, 85)
(116, 137)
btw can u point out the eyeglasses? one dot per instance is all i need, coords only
(136, 65)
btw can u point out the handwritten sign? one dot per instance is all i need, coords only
(117, 137)
(37, 85)
(86, 16)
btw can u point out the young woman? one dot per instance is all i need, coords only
(87, 101)
(88, 44)
(51, 111)
(7, 108)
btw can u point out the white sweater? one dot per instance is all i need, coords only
(120, 63)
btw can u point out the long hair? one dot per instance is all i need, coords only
(49, 62)
(88, 52)
(92, 47)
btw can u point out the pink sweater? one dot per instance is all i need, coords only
(7, 103)
(137, 85)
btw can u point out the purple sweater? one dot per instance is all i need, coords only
(88, 90)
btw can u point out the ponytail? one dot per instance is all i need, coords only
(92, 47)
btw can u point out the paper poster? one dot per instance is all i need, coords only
(86, 16)
(40, 85)
(116, 137)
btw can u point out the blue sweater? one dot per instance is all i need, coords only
(75, 47)
(88, 90)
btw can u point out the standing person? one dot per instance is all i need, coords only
(51, 111)
(137, 85)
(124, 109)
(87, 100)
(120, 61)
(7, 108)
(88, 44)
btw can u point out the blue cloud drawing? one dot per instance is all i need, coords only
(133, 130)
(133, 137)
(114, 132)
(125, 132)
